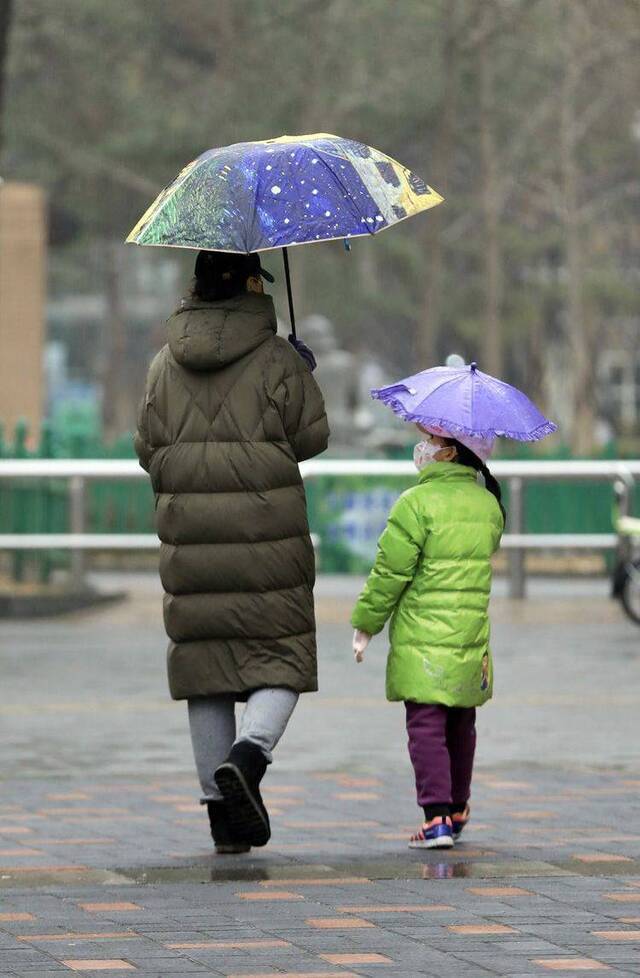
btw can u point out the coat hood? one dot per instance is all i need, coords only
(210, 335)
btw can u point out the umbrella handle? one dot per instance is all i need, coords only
(287, 275)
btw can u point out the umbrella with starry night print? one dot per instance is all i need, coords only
(275, 193)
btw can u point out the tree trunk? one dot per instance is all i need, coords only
(491, 351)
(429, 324)
(116, 415)
(581, 364)
(6, 11)
(317, 114)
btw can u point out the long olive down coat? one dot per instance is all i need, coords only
(229, 411)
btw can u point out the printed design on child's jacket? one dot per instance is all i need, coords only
(437, 673)
(485, 672)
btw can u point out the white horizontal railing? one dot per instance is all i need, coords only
(64, 468)
(148, 541)
(599, 471)
(79, 541)
(79, 471)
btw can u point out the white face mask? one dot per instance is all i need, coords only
(423, 454)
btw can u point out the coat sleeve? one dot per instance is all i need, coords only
(142, 442)
(303, 414)
(399, 550)
(141, 439)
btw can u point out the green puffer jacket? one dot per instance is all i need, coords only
(229, 411)
(433, 573)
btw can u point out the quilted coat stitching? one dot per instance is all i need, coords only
(205, 666)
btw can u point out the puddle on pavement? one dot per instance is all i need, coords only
(601, 868)
(248, 869)
(221, 870)
(423, 866)
(83, 877)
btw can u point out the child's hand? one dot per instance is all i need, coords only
(360, 642)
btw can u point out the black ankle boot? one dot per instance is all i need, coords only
(239, 781)
(221, 831)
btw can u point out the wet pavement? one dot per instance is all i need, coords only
(106, 863)
(567, 689)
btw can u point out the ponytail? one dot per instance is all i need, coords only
(467, 457)
(493, 486)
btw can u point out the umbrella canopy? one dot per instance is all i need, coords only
(464, 401)
(292, 190)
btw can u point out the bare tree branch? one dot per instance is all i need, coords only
(598, 204)
(593, 112)
(507, 16)
(6, 12)
(86, 161)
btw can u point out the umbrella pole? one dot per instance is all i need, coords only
(287, 274)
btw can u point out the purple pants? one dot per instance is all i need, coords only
(442, 743)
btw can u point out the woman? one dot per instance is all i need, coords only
(230, 409)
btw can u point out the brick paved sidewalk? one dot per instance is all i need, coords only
(118, 874)
(120, 877)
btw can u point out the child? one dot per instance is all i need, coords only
(432, 574)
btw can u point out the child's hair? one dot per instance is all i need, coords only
(467, 457)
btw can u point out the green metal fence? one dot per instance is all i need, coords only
(347, 513)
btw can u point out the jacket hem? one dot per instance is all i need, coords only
(241, 693)
(448, 701)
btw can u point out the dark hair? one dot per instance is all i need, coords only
(223, 275)
(215, 278)
(467, 457)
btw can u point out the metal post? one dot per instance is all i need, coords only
(516, 559)
(623, 489)
(77, 513)
(21, 498)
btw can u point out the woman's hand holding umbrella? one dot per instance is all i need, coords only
(305, 352)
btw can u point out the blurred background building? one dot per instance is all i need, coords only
(22, 304)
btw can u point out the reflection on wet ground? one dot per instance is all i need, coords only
(87, 693)
(114, 872)
(430, 866)
(531, 823)
(111, 868)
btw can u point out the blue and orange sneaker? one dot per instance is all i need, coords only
(436, 834)
(459, 820)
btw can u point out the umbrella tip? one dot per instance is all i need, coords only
(474, 367)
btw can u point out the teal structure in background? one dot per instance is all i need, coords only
(346, 513)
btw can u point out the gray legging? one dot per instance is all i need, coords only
(212, 720)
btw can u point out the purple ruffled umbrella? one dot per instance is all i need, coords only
(464, 401)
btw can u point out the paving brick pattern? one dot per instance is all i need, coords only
(518, 897)
(106, 864)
